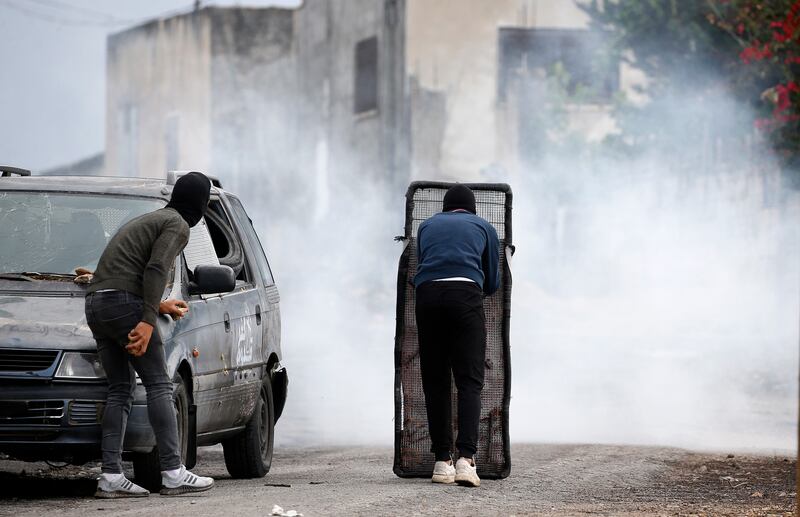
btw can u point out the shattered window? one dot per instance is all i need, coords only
(55, 233)
(247, 225)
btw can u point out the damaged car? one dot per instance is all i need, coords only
(224, 356)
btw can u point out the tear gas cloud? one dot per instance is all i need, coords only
(670, 319)
(655, 297)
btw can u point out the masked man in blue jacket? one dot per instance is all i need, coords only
(458, 263)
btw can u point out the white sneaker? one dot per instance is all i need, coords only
(181, 481)
(112, 486)
(443, 472)
(467, 473)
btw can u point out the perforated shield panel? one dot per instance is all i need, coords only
(412, 441)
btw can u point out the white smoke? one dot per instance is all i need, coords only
(670, 318)
(656, 309)
(653, 303)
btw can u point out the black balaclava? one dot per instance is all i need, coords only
(190, 197)
(459, 196)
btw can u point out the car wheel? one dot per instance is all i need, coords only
(249, 453)
(146, 466)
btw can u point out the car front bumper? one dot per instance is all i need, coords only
(61, 421)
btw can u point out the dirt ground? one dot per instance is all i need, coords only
(545, 479)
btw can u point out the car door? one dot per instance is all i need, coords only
(242, 312)
(206, 334)
(270, 308)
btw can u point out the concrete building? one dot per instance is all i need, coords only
(351, 98)
(91, 166)
(478, 74)
(340, 92)
(200, 91)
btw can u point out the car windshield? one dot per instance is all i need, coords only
(56, 233)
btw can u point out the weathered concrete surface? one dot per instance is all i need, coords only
(545, 479)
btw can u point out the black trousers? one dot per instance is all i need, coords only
(452, 337)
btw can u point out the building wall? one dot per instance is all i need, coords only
(158, 97)
(262, 98)
(252, 102)
(268, 94)
(89, 166)
(341, 150)
(452, 51)
(452, 59)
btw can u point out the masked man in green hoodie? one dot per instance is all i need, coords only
(122, 306)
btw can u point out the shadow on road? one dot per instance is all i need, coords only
(20, 486)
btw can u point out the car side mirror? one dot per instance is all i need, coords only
(210, 279)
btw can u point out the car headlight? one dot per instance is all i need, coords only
(80, 365)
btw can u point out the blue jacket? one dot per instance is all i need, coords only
(453, 244)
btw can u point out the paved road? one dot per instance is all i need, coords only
(545, 479)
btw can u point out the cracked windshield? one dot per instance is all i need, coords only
(58, 233)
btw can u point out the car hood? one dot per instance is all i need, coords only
(48, 322)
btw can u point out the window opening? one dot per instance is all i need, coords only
(366, 76)
(255, 243)
(527, 55)
(227, 246)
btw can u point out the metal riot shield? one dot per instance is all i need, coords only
(412, 457)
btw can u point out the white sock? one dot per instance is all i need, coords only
(111, 477)
(174, 473)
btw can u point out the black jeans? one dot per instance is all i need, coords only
(452, 336)
(111, 315)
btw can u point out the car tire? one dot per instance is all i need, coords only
(146, 466)
(249, 453)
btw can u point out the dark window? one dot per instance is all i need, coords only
(526, 54)
(227, 245)
(247, 226)
(366, 87)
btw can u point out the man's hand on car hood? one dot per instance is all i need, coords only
(84, 275)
